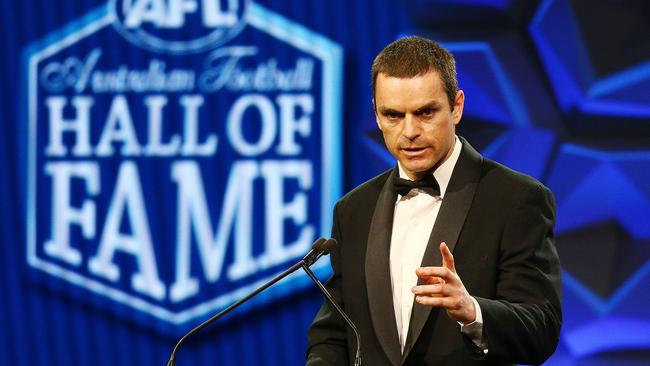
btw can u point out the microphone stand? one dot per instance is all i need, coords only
(318, 250)
(357, 356)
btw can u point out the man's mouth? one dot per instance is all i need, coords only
(413, 151)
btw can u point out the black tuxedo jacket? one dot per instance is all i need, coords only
(499, 225)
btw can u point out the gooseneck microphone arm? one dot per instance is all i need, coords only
(318, 250)
(327, 248)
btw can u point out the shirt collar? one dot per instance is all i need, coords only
(443, 173)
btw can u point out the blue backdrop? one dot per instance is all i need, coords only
(127, 125)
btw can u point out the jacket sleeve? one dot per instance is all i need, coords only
(522, 324)
(327, 339)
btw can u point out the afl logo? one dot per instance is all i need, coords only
(179, 26)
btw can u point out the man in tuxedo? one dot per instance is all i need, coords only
(449, 258)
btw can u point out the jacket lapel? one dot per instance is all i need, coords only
(377, 270)
(451, 217)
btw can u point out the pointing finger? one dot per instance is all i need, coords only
(447, 257)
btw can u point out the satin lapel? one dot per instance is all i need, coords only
(451, 217)
(378, 281)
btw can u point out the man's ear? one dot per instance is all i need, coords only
(459, 103)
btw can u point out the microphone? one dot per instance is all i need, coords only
(326, 247)
(318, 249)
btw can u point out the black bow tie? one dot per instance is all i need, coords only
(404, 186)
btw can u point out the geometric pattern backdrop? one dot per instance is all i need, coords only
(557, 89)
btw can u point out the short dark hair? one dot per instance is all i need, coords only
(413, 56)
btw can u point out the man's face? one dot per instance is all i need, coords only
(417, 121)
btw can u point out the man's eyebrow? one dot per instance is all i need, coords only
(431, 105)
(385, 110)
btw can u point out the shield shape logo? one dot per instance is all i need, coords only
(178, 154)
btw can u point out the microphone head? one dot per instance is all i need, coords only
(328, 245)
(318, 243)
(320, 248)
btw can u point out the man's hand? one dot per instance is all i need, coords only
(445, 289)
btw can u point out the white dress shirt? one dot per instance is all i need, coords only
(413, 220)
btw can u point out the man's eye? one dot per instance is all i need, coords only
(427, 112)
(391, 115)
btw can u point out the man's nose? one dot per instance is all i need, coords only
(411, 127)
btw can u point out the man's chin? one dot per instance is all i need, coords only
(417, 170)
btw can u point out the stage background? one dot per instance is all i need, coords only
(557, 89)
